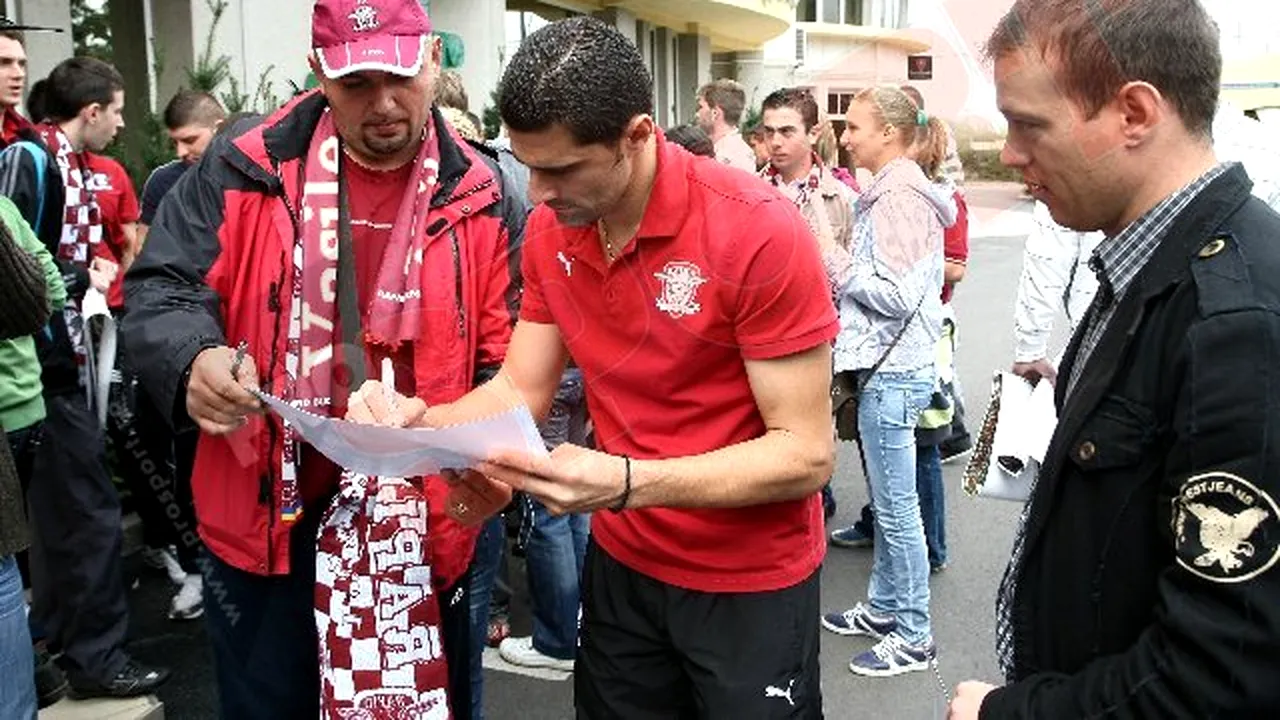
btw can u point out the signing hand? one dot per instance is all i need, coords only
(573, 480)
(1036, 370)
(218, 401)
(102, 273)
(377, 404)
(968, 700)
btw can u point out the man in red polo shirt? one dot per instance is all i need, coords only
(693, 298)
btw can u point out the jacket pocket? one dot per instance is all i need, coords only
(1115, 436)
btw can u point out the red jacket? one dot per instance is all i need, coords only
(215, 270)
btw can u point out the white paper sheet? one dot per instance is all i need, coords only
(401, 452)
(1026, 424)
(102, 354)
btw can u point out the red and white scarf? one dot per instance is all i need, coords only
(82, 219)
(801, 190)
(81, 230)
(395, 311)
(377, 616)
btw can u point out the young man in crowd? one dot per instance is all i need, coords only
(429, 282)
(191, 119)
(705, 545)
(1143, 580)
(791, 128)
(79, 595)
(720, 106)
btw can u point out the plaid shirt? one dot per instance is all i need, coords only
(1117, 262)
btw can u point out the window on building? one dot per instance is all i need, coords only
(802, 46)
(852, 12)
(831, 12)
(807, 11)
(838, 102)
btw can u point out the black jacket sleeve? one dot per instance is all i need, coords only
(1214, 648)
(172, 314)
(18, 182)
(24, 291)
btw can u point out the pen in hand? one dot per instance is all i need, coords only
(241, 350)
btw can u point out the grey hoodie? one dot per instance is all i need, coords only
(893, 266)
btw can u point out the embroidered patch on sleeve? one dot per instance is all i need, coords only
(1225, 529)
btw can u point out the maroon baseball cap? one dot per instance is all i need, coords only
(384, 35)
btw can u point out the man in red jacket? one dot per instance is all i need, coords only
(247, 252)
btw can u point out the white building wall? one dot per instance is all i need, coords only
(482, 26)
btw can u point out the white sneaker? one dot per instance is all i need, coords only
(520, 651)
(166, 561)
(188, 604)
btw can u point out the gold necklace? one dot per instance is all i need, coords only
(610, 255)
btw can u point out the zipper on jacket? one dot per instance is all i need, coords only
(273, 305)
(457, 282)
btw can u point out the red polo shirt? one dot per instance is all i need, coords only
(723, 270)
(118, 203)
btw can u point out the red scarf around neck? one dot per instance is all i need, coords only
(82, 219)
(395, 309)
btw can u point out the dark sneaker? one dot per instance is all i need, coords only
(893, 656)
(859, 620)
(51, 682)
(134, 679)
(851, 537)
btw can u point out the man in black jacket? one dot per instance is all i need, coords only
(1143, 580)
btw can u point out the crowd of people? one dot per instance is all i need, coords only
(695, 316)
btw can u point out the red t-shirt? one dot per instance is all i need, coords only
(374, 198)
(955, 242)
(113, 190)
(723, 270)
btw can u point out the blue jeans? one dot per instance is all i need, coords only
(888, 412)
(557, 548)
(490, 546)
(552, 545)
(933, 504)
(557, 545)
(17, 668)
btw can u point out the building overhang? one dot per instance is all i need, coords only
(901, 39)
(729, 24)
(1252, 83)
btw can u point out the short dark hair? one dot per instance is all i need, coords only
(579, 73)
(16, 35)
(693, 139)
(727, 95)
(78, 82)
(1095, 48)
(38, 101)
(452, 92)
(798, 99)
(191, 107)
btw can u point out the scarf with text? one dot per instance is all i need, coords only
(394, 312)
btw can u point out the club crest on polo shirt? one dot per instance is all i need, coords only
(1225, 529)
(680, 282)
(364, 18)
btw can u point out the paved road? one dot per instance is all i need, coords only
(979, 534)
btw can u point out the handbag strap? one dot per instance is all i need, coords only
(866, 377)
(348, 304)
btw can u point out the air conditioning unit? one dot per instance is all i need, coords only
(802, 46)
